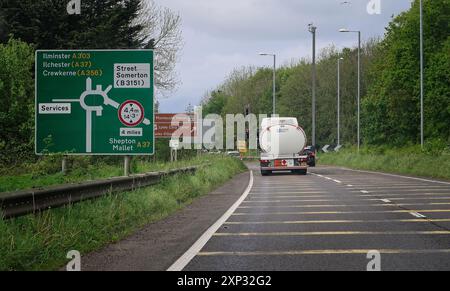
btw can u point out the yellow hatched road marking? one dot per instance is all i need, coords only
(337, 221)
(341, 212)
(405, 187)
(342, 206)
(334, 233)
(428, 198)
(296, 197)
(283, 192)
(407, 195)
(325, 252)
(303, 200)
(406, 190)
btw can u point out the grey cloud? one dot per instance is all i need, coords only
(223, 34)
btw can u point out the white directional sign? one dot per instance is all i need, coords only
(174, 144)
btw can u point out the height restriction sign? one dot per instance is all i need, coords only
(95, 102)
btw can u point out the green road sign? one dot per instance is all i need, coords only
(95, 102)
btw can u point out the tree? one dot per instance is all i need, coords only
(394, 95)
(16, 102)
(47, 25)
(103, 24)
(161, 30)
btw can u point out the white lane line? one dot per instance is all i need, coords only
(328, 178)
(398, 176)
(418, 215)
(364, 192)
(349, 185)
(386, 201)
(182, 262)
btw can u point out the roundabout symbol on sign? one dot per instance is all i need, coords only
(131, 113)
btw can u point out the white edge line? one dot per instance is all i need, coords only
(185, 259)
(397, 176)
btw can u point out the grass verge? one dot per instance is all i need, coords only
(408, 161)
(41, 242)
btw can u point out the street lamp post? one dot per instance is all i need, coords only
(422, 135)
(313, 30)
(339, 102)
(359, 82)
(274, 80)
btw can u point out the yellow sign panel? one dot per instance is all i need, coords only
(242, 146)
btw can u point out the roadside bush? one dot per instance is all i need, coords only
(16, 103)
(436, 146)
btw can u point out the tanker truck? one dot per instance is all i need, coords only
(282, 142)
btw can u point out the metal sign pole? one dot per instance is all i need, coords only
(64, 165)
(127, 162)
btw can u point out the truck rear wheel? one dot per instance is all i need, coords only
(265, 173)
(301, 172)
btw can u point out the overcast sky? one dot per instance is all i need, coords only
(220, 35)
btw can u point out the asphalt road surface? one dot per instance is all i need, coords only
(330, 220)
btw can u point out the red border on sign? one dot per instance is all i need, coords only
(127, 123)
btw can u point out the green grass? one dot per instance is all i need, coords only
(409, 161)
(79, 173)
(41, 242)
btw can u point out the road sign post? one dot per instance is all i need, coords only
(95, 102)
(64, 165)
(174, 145)
(126, 166)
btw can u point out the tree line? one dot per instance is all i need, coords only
(390, 85)
(28, 25)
